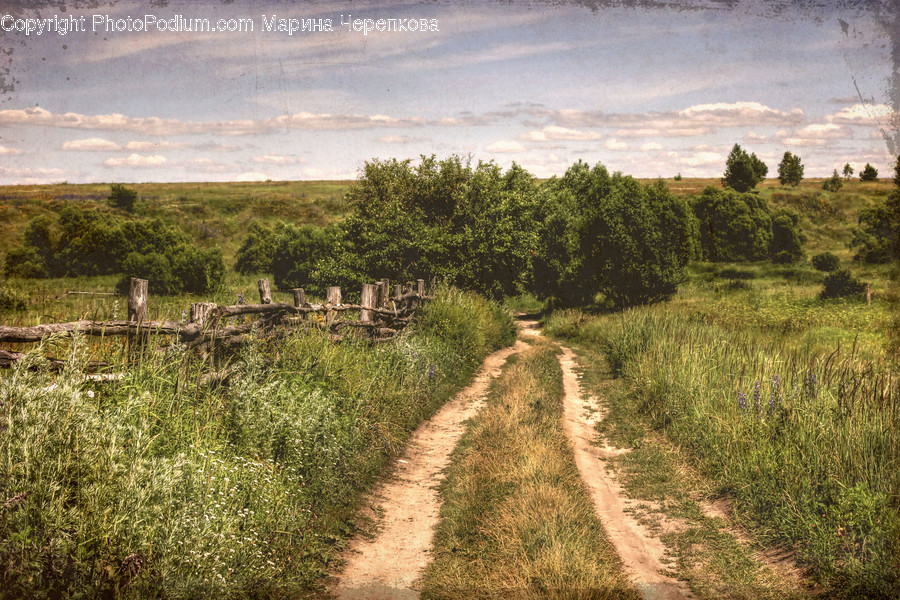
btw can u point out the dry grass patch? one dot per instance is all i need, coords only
(517, 521)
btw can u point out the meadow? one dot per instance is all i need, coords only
(160, 484)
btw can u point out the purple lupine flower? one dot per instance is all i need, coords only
(757, 396)
(431, 371)
(742, 402)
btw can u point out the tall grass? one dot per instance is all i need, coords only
(807, 442)
(156, 485)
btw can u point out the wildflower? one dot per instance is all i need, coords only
(742, 402)
(431, 371)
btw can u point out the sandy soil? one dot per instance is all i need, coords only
(641, 552)
(407, 506)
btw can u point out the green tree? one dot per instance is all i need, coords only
(256, 251)
(869, 173)
(787, 238)
(743, 171)
(470, 224)
(790, 170)
(731, 226)
(877, 235)
(848, 171)
(608, 234)
(834, 183)
(122, 197)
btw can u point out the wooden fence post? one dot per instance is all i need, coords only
(868, 294)
(420, 287)
(137, 300)
(200, 310)
(398, 290)
(385, 296)
(369, 298)
(333, 296)
(265, 296)
(299, 297)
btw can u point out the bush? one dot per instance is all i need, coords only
(841, 284)
(256, 252)
(733, 227)
(826, 261)
(122, 197)
(869, 173)
(185, 268)
(833, 184)
(787, 238)
(608, 234)
(11, 299)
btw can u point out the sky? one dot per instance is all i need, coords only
(147, 92)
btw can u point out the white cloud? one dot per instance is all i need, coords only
(394, 139)
(4, 151)
(804, 142)
(614, 144)
(137, 146)
(554, 132)
(862, 114)
(506, 146)
(251, 176)
(160, 126)
(698, 159)
(275, 159)
(651, 146)
(91, 145)
(136, 160)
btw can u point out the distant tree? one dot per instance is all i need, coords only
(257, 251)
(834, 183)
(790, 170)
(869, 173)
(848, 171)
(878, 235)
(732, 227)
(787, 238)
(760, 170)
(610, 234)
(122, 197)
(743, 171)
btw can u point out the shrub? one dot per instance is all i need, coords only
(733, 227)
(841, 284)
(608, 234)
(11, 299)
(834, 184)
(787, 238)
(826, 261)
(122, 197)
(869, 173)
(155, 267)
(184, 268)
(256, 252)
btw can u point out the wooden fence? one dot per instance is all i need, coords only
(380, 316)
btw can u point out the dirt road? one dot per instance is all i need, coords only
(389, 565)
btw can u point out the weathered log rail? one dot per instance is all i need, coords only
(381, 316)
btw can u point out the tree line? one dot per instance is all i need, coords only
(584, 236)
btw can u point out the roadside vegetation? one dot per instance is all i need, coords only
(517, 521)
(158, 485)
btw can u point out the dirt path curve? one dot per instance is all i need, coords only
(639, 550)
(388, 566)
